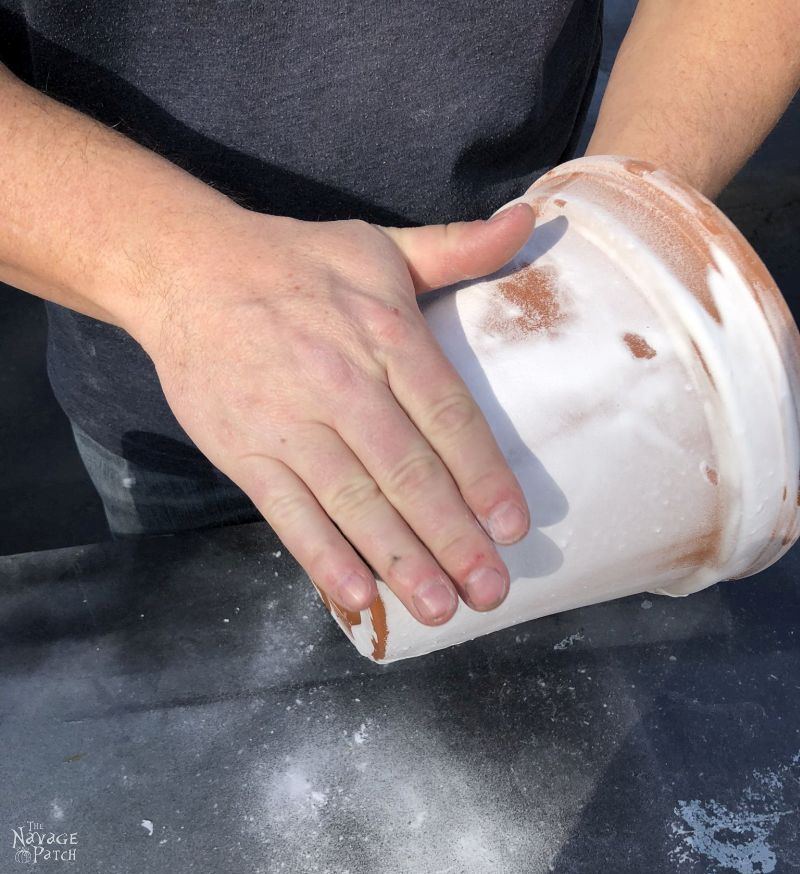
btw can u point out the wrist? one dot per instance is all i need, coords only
(159, 255)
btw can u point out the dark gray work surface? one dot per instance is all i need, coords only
(181, 683)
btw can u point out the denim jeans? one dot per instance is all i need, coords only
(139, 501)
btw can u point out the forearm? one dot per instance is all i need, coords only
(698, 84)
(86, 215)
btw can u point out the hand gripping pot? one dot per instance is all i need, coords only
(640, 371)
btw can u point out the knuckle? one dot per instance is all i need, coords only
(331, 369)
(486, 486)
(404, 572)
(413, 473)
(353, 497)
(396, 576)
(453, 414)
(284, 509)
(492, 487)
(461, 554)
(318, 566)
(458, 546)
(388, 322)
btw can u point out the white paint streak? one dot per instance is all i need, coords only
(736, 838)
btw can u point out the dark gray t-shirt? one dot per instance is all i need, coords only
(399, 113)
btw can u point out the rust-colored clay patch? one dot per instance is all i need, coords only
(700, 553)
(702, 550)
(638, 168)
(639, 347)
(730, 238)
(533, 294)
(702, 361)
(656, 218)
(380, 629)
(726, 235)
(349, 617)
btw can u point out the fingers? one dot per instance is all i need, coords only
(438, 255)
(419, 487)
(437, 401)
(362, 512)
(307, 532)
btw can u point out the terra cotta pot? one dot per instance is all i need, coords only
(640, 371)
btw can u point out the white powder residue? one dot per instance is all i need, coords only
(293, 788)
(347, 802)
(567, 642)
(736, 838)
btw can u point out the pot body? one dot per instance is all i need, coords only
(640, 372)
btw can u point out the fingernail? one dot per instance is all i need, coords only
(435, 599)
(486, 588)
(507, 523)
(504, 212)
(354, 592)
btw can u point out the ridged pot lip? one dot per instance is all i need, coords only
(703, 227)
(700, 217)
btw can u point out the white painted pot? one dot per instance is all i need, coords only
(640, 371)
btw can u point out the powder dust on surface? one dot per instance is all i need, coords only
(357, 803)
(402, 778)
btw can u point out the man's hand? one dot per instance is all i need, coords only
(295, 356)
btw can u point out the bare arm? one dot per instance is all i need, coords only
(698, 84)
(79, 204)
(293, 353)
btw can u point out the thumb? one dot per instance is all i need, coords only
(439, 255)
